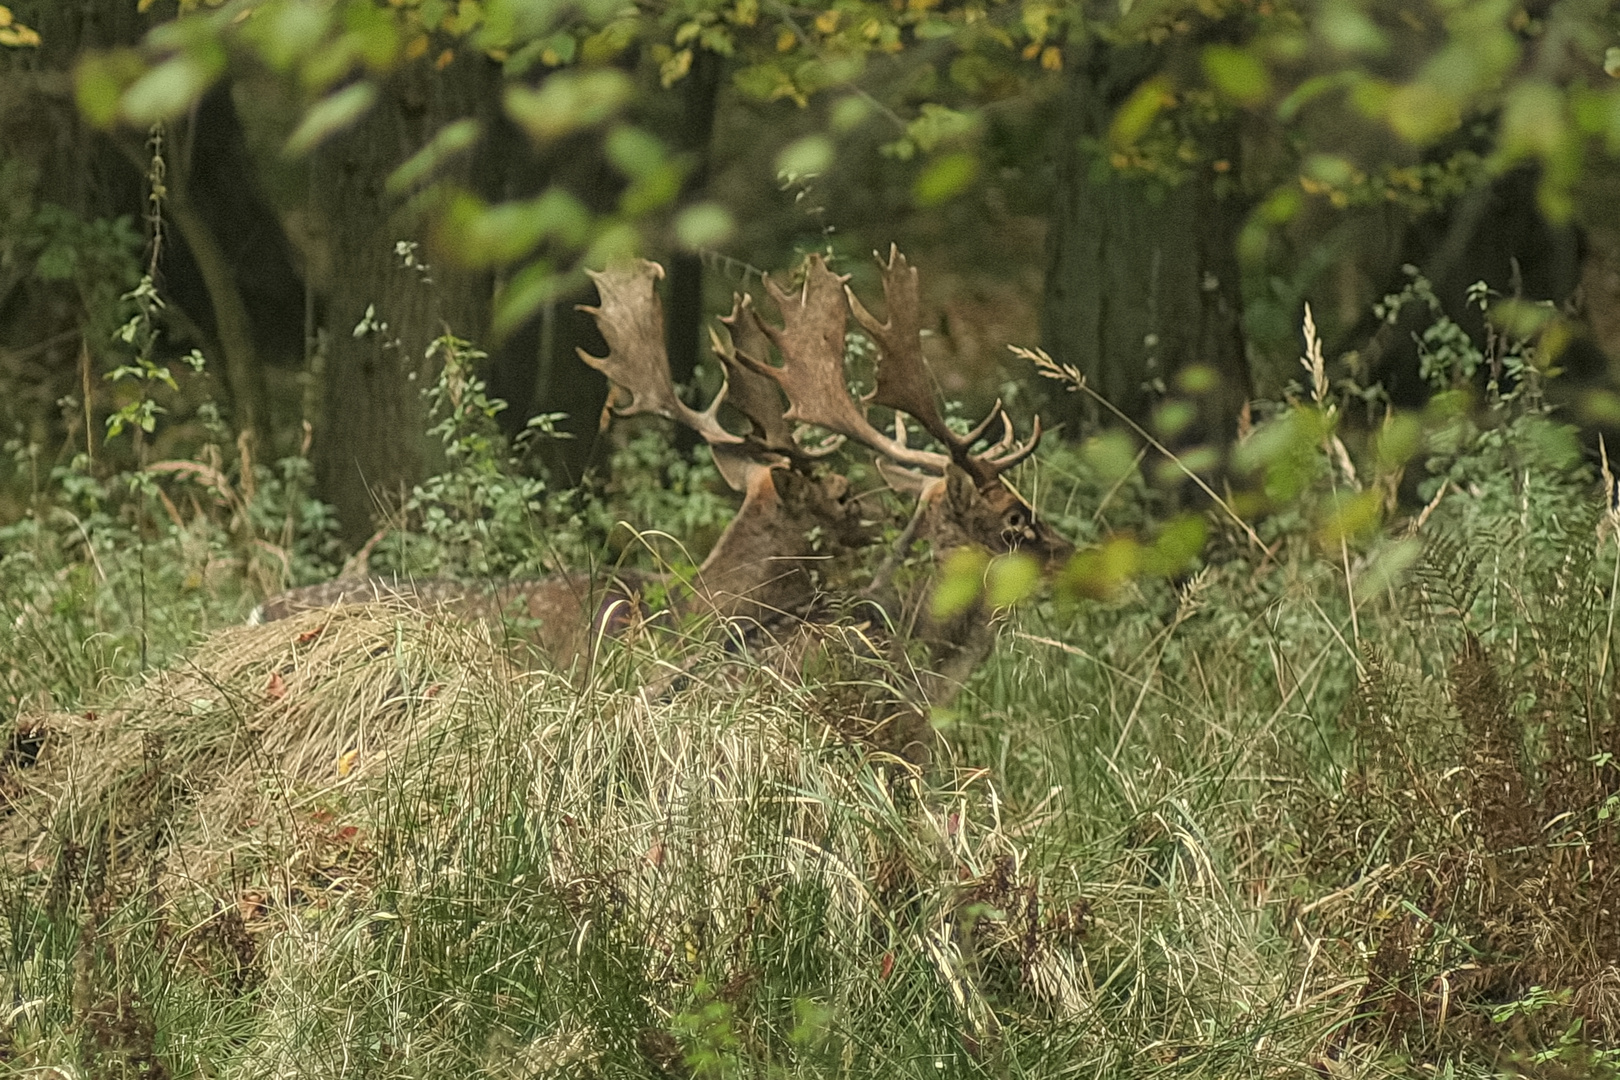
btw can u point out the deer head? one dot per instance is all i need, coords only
(762, 562)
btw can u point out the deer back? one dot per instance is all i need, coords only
(563, 616)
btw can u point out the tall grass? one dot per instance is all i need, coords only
(1193, 830)
(1324, 805)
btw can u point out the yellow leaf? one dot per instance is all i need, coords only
(347, 761)
(1052, 58)
(417, 47)
(1012, 579)
(785, 41)
(959, 586)
(5, 15)
(675, 68)
(1134, 117)
(827, 21)
(1351, 517)
(1032, 50)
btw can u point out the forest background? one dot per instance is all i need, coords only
(1150, 191)
(1305, 766)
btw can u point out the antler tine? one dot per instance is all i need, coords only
(1006, 461)
(754, 395)
(996, 413)
(902, 373)
(631, 318)
(1008, 435)
(902, 376)
(811, 341)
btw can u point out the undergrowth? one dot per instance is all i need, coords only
(1338, 798)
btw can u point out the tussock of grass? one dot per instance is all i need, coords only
(365, 840)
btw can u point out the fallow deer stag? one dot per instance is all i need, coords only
(799, 526)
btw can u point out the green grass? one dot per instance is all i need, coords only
(1342, 812)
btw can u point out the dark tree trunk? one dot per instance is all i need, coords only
(684, 334)
(536, 368)
(371, 444)
(229, 264)
(65, 162)
(1142, 278)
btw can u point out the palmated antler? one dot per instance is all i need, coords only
(753, 394)
(811, 341)
(631, 318)
(904, 386)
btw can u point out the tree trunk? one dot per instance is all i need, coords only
(372, 446)
(1142, 277)
(685, 336)
(244, 376)
(60, 160)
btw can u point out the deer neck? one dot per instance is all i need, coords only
(773, 556)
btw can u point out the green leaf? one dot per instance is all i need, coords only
(849, 113)
(609, 41)
(1600, 407)
(286, 33)
(634, 152)
(1387, 567)
(529, 289)
(1172, 417)
(960, 582)
(479, 235)
(330, 115)
(373, 35)
(1111, 454)
(1177, 546)
(1330, 169)
(945, 178)
(813, 76)
(705, 225)
(172, 87)
(652, 190)
(1100, 571)
(1397, 442)
(614, 244)
(1420, 112)
(568, 101)
(1197, 379)
(1534, 124)
(809, 156)
(100, 81)
(1344, 27)
(1012, 579)
(936, 125)
(1351, 516)
(451, 140)
(1237, 73)
(1140, 110)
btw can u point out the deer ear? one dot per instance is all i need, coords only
(906, 481)
(738, 469)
